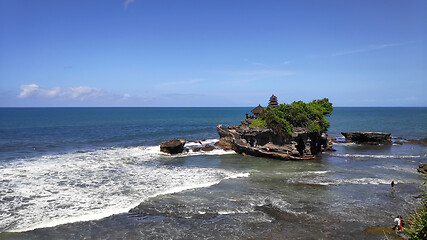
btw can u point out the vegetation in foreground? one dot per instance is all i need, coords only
(417, 223)
(297, 114)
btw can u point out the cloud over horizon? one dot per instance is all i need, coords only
(80, 93)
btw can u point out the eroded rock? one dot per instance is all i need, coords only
(367, 137)
(264, 142)
(173, 146)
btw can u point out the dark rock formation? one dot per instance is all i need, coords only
(422, 141)
(224, 144)
(264, 142)
(367, 137)
(173, 146)
(422, 168)
(275, 212)
(327, 142)
(206, 148)
(169, 207)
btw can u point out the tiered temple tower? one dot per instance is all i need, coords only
(273, 101)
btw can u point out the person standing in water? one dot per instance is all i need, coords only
(392, 185)
(396, 224)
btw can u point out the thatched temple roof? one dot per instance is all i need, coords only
(257, 110)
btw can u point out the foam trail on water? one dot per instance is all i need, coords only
(374, 156)
(80, 186)
(351, 181)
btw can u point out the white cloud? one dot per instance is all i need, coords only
(367, 49)
(266, 73)
(258, 64)
(286, 63)
(126, 96)
(81, 93)
(28, 90)
(33, 90)
(78, 93)
(127, 2)
(165, 84)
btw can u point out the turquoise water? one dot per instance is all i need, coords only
(77, 172)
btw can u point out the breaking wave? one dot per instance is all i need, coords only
(88, 185)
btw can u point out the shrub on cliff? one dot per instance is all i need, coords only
(298, 114)
(417, 223)
(259, 122)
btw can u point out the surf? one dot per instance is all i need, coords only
(88, 185)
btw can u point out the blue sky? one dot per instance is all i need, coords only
(204, 53)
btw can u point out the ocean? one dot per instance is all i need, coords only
(97, 173)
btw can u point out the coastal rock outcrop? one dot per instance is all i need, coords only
(206, 148)
(173, 146)
(367, 137)
(422, 141)
(264, 142)
(422, 168)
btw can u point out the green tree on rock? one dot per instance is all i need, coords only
(297, 114)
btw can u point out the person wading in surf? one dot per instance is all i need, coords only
(396, 224)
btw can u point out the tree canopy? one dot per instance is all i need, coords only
(297, 114)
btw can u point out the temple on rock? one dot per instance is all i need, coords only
(273, 101)
(257, 111)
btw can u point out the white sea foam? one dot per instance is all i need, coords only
(397, 168)
(201, 143)
(351, 181)
(345, 143)
(229, 212)
(314, 172)
(373, 156)
(213, 152)
(81, 186)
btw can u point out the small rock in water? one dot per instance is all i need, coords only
(173, 146)
(367, 137)
(207, 148)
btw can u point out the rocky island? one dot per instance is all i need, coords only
(372, 138)
(295, 131)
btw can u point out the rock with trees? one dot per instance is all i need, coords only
(293, 131)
